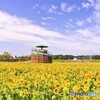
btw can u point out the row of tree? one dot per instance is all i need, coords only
(80, 57)
(6, 56)
(64, 57)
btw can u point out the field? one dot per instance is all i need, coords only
(29, 81)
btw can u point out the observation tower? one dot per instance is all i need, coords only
(41, 55)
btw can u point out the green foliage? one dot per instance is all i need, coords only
(6, 55)
(63, 57)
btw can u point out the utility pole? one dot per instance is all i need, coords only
(90, 55)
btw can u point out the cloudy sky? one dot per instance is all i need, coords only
(66, 26)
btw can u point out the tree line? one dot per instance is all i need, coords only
(6, 56)
(79, 57)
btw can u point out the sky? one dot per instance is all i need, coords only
(65, 26)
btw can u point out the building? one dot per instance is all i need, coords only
(74, 58)
(41, 55)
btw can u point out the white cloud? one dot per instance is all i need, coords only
(95, 4)
(16, 27)
(53, 9)
(91, 1)
(63, 6)
(46, 9)
(89, 19)
(66, 8)
(97, 29)
(71, 8)
(21, 29)
(39, 8)
(35, 6)
(91, 35)
(47, 18)
(59, 13)
(43, 23)
(96, 16)
(80, 23)
(68, 24)
(85, 32)
(86, 5)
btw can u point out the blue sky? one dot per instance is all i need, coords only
(66, 26)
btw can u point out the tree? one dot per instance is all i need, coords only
(6, 55)
(1, 57)
(55, 56)
(60, 56)
(67, 57)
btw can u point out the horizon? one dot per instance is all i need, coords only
(66, 27)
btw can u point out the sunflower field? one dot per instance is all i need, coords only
(31, 81)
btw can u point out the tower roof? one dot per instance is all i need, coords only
(42, 46)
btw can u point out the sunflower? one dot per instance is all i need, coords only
(76, 87)
(87, 98)
(86, 88)
(56, 91)
(25, 91)
(20, 93)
